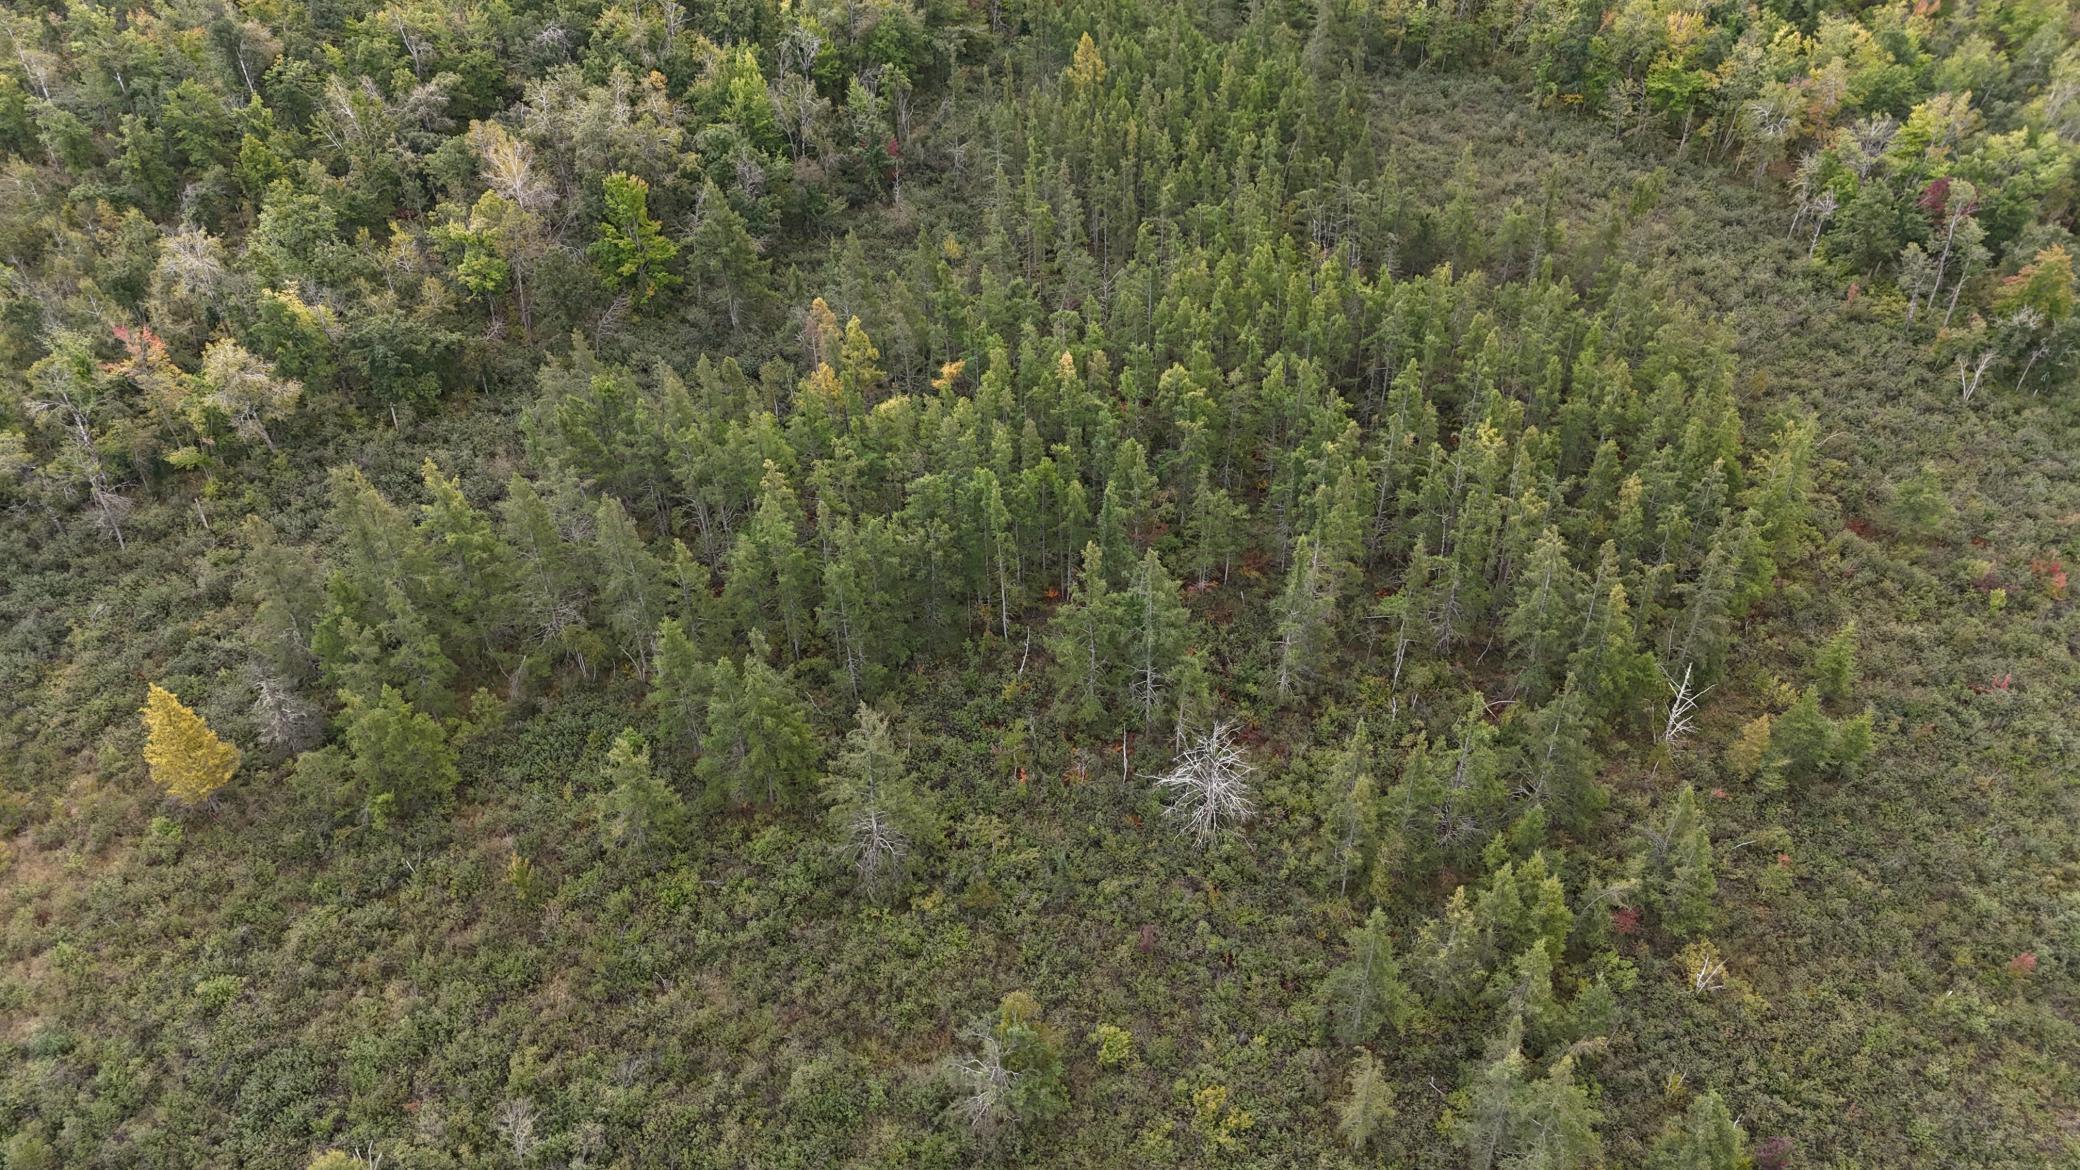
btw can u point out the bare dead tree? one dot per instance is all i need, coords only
(1209, 785)
(1968, 376)
(984, 1085)
(1707, 971)
(286, 719)
(1682, 708)
(515, 1123)
(875, 849)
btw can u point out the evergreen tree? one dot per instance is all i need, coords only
(758, 745)
(632, 252)
(475, 565)
(1352, 819)
(1679, 878)
(1368, 1104)
(1706, 1137)
(1540, 624)
(729, 275)
(641, 809)
(877, 814)
(1306, 611)
(632, 588)
(1557, 766)
(398, 755)
(1834, 666)
(679, 691)
(186, 758)
(1154, 624)
(1365, 995)
(1085, 640)
(770, 577)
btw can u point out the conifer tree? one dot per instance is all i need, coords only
(1085, 642)
(1802, 740)
(1154, 624)
(186, 758)
(1834, 666)
(1368, 1103)
(679, 691)
(1679, 878)
(632, 251)
(641, 809)
(728, 272)
(1306, 617)
(1706, 1137)
(1558, 766)
(1541, 623)
(1353, 815)
(770, 577)
(632, 589)
(877, 814)
(398, 755)
(1213, 531)
(758, 745)
(475, 565)
(1365, 995)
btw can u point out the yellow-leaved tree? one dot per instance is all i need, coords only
(186, 757)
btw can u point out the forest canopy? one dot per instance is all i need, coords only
(1112, 583)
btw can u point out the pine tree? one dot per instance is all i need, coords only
(641, 809)
(877, 814)
(186, 758)
(1085, 642)
(1705, 1138)
(1368, 1105)
(399, 755)
(758, 745)
(1365, 995)
(1154, 623)
(1834, 666)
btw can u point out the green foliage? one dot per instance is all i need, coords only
(1706, 1137)
(1365, 996)
(757, 745)
(641, 810)
(631, 251)
(396, 754)
(1368, 1103)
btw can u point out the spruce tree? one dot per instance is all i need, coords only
(1368, 1103)
(1706, 1137)
(877, 815)
(1085, 641)
(397, 754)
(641, 809)
(1154, 623)
(1365, 996)
(758, 745)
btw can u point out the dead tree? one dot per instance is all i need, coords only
(1208, 785)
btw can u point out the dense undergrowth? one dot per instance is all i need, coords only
(622, 931)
